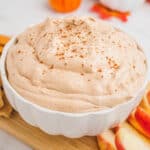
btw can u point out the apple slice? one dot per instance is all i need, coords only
(106, 140)
(132, 120)
(143, 118)
(145, 103)
(127, 138)
(140, 119)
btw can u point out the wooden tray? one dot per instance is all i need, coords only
(39, 140)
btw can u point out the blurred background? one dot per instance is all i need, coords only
(18, 14)
(132, 16)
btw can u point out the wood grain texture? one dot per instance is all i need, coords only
(39, 140)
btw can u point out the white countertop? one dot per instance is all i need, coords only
(15, 15)
(7, 142)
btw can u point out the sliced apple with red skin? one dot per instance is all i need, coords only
(144, 119)
(146, 101)
(115, 129)
(136, 125)
(127, 138)
(106, 140)
(140, 119)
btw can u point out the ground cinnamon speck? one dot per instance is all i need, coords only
(73, 43)
(65, 64)
(59, 54)
(61, 58)
(78, 32)
(33, 52)
(133, 66)
(19, 51)
(71, 57)
(112, 63)
(60, 30)
(115, 66)
(81, 56)
(84, 42)
(74, 50)
(51, 67)
(99, 70)
(64, 36)
(89, 32)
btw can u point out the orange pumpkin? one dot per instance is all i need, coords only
(64, 5)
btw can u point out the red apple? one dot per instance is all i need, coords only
(146, 100)
(127, 138)
(143, 118)
(106, 140)
(140, 119)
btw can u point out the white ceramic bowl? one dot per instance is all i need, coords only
(71, 125)
(122, 5)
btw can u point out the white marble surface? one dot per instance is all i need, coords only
(15, 15)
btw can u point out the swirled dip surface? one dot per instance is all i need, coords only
(75, 65)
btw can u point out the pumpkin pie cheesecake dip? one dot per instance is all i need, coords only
(76, 65)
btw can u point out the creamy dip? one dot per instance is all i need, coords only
(76, 65)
